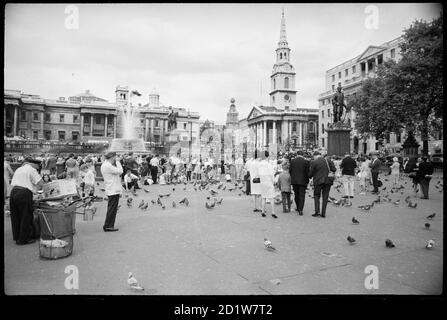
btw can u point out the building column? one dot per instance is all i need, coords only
(300, 132)
(82, 125)
(91, 124)
(289, 130)
(16, 122)
(274, 132)
(146, 129)
(41, 123)
(105, 124)
(366, 67)
(114, 126)
(258, 134)
(152, 129)
(264, 134)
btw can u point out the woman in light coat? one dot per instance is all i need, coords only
(266, 173)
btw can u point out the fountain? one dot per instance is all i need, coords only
(128, 143)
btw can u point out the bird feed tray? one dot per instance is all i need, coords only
(59, 189)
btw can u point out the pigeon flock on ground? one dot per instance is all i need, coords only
(213, 190)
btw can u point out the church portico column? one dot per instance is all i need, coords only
(146, 129)
(41, 124)
(114, 125)
(264, 134)
(91, 124)
(274, 132)
(82, 125)
(15, 123)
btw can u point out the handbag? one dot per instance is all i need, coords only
(331, 175)
(256, 180)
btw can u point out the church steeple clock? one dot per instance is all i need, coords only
(283, 93)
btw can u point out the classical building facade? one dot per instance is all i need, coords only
(85, 118)
(282, 124)
(350, 75)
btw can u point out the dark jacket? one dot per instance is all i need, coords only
(318, 170)
(348, 166)
(299, 171)
(424, 169)
(375, 165)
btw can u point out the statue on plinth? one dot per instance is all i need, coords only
(172, 119)
(338, 104)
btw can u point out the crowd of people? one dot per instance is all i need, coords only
(270, 179)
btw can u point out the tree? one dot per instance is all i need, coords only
(407, 94)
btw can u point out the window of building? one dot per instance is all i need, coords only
(22, 115)
(346, 72)
(184, 126)
(380, 59)
(75, 118)
(47, 134)
(329, 113)
(286, 82)
(61, 135)
(398, 137)
(333, 87)
(47, 117)
(339, 84)
(273, 98)
(61, 118)
(141, 121)
(285, 54)
(22, 133)
(184, 138)
(156, 123)
(280, 55)
(333, 77)
(311, 126)
(322, 113)
(293, 126)
(274, 83)
(393, 53)
(339, 75)
(35, 116)
(353, 69)
(74, 135)
(35, 134)
(322, 128)
(322, 142)
(98, 119)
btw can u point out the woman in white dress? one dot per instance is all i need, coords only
(266, 173)
(253, 168)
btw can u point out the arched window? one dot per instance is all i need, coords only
(286, 82)
(285, 55)
(280, 55)
(274, 84)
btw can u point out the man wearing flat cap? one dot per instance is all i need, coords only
(24, 181)
(111, 171)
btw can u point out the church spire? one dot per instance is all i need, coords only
(283, 36)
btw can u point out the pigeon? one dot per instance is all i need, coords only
(389, 243)
(412, 204)
(153, 202)
(185, 201)
(163, 207)
(397, 202)
(427, 225)
(145, 190)
(210, 206)
(173, 189)
(159, 202)
(173, 204)
(146, 205)
(268, 245)
(430, 217)
(213, 193)
(366, 207)
(102, 189)
(350, 239)
(133, 283)
(219, 201)
(141, 204)
(97, 183)
(430, 244)
(348, 204)
(407, 199)
(355, 221)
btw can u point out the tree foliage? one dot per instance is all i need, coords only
(407, 94)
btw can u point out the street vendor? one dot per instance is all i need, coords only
(24, 181)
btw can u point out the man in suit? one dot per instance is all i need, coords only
(375, 170)
(299, 171)
(348, 166)
(319, 171)
(424, 176)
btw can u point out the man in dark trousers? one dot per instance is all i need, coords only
(299, 170)
(424, 176)
(24, 180)
(319, 170)
(375, 170)
(347, 167)
(112, 170)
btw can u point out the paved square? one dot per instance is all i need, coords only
(197, 251)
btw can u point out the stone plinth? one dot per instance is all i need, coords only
(338, 140)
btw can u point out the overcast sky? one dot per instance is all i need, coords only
(198, 56)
